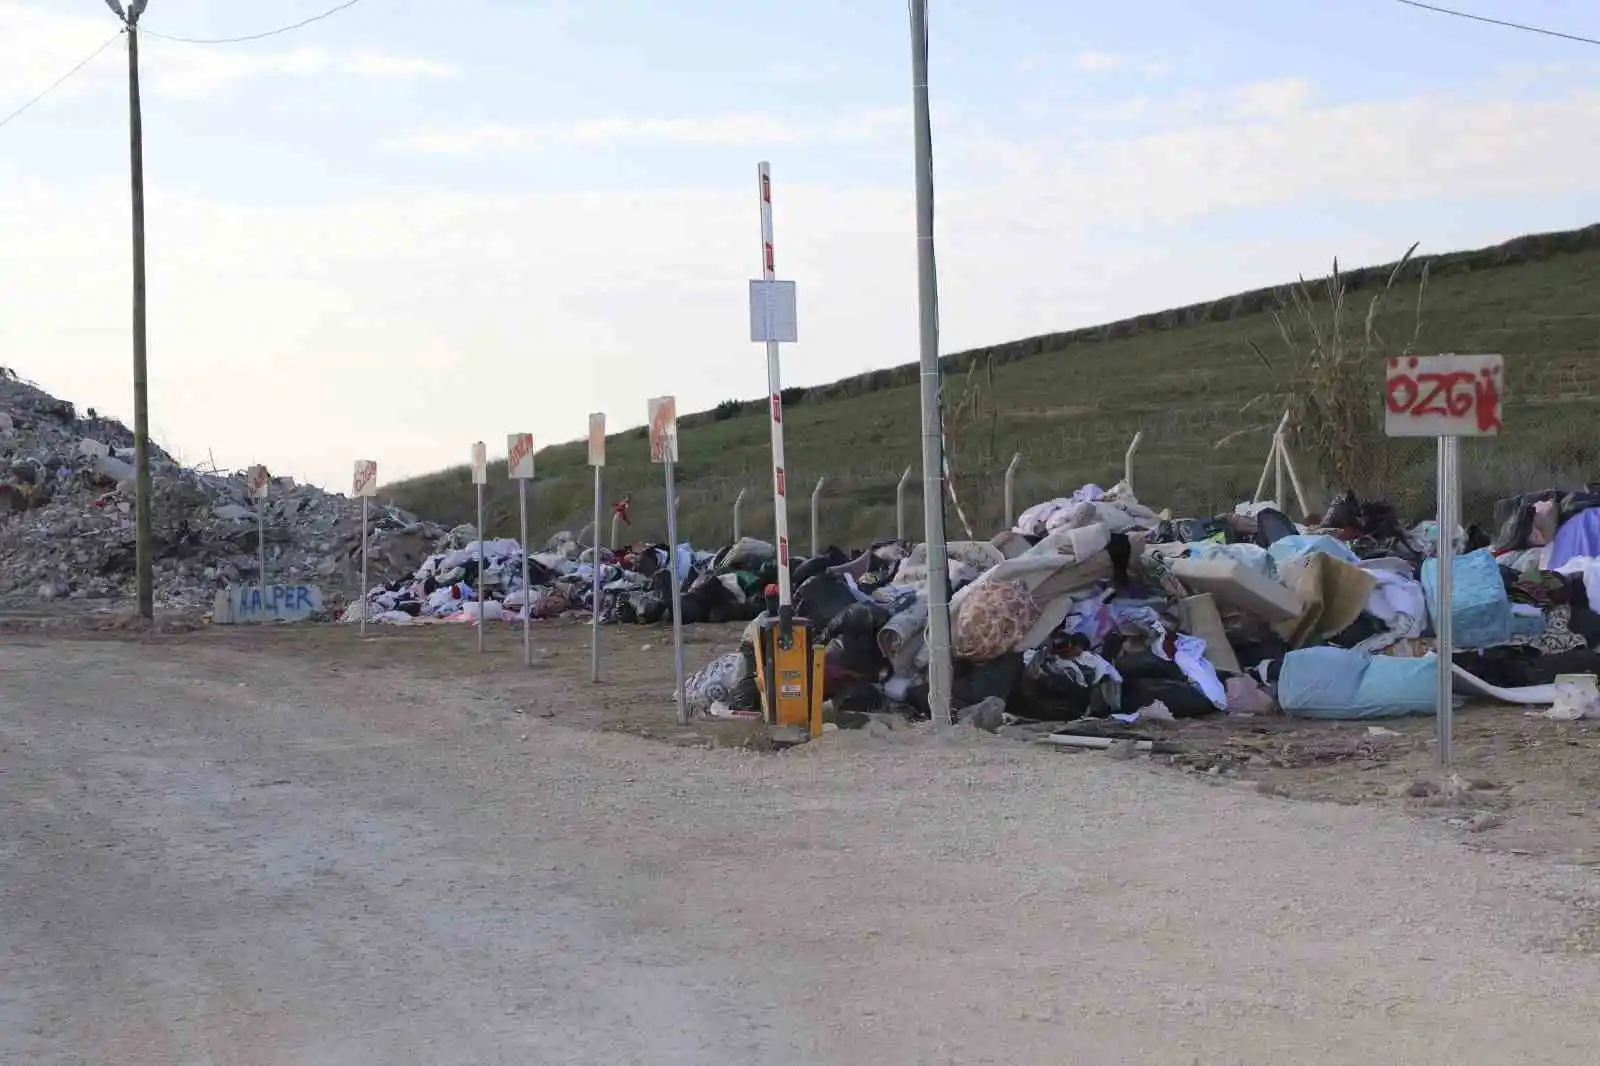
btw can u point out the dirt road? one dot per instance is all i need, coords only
(209, 855)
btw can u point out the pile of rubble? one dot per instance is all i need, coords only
(67, 519)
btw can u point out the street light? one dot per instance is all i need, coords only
(940, 673)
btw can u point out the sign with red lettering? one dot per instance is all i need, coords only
(1443, 395)
(664, 430)
(519, 456)
(365, 482)
(257, 481)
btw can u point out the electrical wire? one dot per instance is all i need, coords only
(59, 82)
(253, 36)
(1524, 27)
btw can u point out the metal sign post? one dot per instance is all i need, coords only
(1448, 397)
(519, 465)
(365, 485)
(773, 321)
(480, 478)
(260, 483)
(597, 459)
(664, 450)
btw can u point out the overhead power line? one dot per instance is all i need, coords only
(59, 82)
(1524, 27)
(255, 36)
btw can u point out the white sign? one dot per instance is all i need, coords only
(480, 463)
(258, 481)
(664, 430)
(519, 456)
(1443, 395)
(597, 440)
(773, 314)
(365, 482)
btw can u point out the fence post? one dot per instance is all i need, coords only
(738, 501)
(900, 506)
(1272, 464)
(816, 505)
(1011, 481)
(1127, 460)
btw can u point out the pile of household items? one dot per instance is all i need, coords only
(1094, 606)
(463, 580)
(67, 519)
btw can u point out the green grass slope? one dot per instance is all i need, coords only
(1188, 378)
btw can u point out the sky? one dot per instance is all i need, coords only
(411, 226)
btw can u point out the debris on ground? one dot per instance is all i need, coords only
(1095, 607)
(67, 519)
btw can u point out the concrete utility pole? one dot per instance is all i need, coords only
(940, 671)
(143, 565)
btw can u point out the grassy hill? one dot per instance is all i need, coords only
(1205, 384)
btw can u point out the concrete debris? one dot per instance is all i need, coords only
(67, 519)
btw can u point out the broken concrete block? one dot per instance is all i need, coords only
(253, 605)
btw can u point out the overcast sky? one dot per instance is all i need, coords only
(414, 225)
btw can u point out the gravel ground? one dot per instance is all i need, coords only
(209, 855)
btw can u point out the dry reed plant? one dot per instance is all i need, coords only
(1333, 382)
(966, 446)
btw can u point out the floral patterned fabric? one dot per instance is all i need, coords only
(995, 619)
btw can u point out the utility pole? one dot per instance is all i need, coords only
(940, 671)
(143, 565)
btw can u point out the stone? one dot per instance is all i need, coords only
(988, 715)
(112, 469)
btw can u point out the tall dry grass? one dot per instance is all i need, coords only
(1331, 380)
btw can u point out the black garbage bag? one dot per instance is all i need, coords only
(975, 682)
(1363, 628)
(746, 692)
(819, 564)
(858, 619)
(1256, 644)
(707, 600)
(822, 598)
(1523, 666)
(1272, 525)
(1146, 677)
(1049, 692)
(1343, 512)
(1582, 621)
(652, 607)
